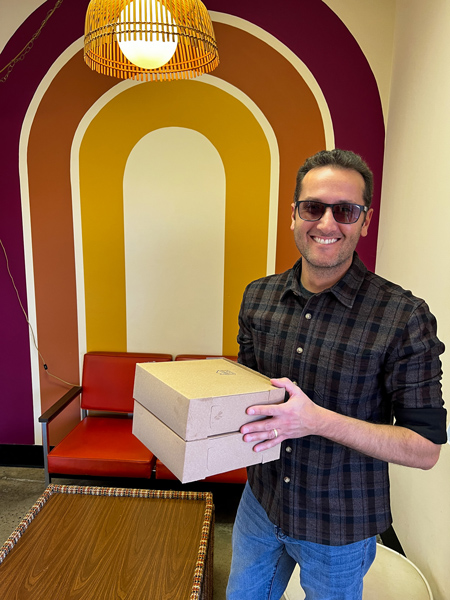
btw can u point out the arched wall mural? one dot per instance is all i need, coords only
(101, 177)
(257, 114)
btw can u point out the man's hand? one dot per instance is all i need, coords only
(293, 419)
(299, 416)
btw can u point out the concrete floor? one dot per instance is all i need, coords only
(21, 487)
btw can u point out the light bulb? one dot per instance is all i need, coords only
(147, 54)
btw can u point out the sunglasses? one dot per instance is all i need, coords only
(344, 213)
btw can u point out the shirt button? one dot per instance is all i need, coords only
(308, 316)
(299, 350)
(288, 449)
(287, 479)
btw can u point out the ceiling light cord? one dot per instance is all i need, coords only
(10, 66)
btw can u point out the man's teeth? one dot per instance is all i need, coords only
(325, 240)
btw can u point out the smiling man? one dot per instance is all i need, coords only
(326, 236)
(356, 354)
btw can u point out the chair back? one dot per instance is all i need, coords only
(108, 379)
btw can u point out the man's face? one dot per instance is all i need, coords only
(326, 244)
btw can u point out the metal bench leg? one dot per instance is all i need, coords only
(46, 449)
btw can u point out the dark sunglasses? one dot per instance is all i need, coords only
(344, 213)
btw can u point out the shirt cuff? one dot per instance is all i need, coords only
(430, 423)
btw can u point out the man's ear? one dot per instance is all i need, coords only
(292, 216)
(365, 227)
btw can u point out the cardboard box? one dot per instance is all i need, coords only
(188, 413)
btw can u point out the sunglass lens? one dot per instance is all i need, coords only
(311, 211)
(346, 213)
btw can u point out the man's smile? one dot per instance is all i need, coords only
(322, 240)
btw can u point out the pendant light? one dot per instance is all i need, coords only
(150, 40)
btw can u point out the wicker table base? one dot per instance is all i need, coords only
(88, 542)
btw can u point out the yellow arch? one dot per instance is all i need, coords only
(104, 150)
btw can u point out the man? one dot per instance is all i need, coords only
(353, 352)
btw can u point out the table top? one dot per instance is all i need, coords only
(103, 543)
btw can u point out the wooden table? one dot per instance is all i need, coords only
(92, 543)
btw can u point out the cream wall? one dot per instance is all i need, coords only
(164, 236)
(371, 23)
(407, 43)
(413, 248)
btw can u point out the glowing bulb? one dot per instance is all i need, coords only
(150, 53)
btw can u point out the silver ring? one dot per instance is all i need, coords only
(276, 433)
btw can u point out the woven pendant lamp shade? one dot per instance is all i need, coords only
(188, 25)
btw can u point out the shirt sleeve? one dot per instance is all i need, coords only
(246, 355)
(414, 378)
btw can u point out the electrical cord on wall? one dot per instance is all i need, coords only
(10, 66)
(44, 364)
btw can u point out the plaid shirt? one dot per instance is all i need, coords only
(365, 348)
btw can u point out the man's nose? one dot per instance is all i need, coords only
(327, 220)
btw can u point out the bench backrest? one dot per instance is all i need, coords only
(108, 379)
(204, 356)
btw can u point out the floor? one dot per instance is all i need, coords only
(20, 488)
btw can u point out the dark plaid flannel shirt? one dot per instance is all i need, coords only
(365, 348)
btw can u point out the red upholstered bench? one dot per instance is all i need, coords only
(101, 445)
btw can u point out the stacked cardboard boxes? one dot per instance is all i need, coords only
(189, 413)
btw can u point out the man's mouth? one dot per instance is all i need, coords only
(325, 241)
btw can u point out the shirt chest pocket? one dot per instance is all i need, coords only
(348, 382)
(266, 347)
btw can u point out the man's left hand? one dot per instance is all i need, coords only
(293, 419)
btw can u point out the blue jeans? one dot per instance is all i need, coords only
(264, 558)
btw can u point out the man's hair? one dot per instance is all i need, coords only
(340, 159)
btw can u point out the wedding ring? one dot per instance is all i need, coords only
(275, 432)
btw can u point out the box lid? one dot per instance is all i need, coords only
(202, 398)
(209, 378)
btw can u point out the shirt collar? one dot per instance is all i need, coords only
(345, 290)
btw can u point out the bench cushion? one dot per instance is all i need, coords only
(101, 446)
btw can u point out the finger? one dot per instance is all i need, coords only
(258, 436)
(263, 446)
(285, 383)
(261, 425)
(280, 381)
(266, 444)
(260, 432)
(266, 410)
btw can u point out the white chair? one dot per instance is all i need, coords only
(391, 577)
